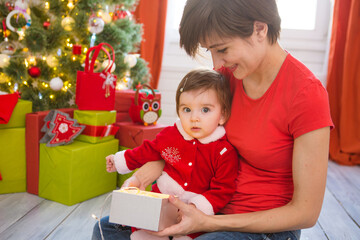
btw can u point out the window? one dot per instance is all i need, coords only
(296, 14)
(300, 18)
(304, 19)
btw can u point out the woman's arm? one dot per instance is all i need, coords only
(310, 159)
(145, 175)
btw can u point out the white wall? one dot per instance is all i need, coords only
(310, 47)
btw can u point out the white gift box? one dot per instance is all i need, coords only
(142, 209)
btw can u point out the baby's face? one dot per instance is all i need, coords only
(200, 112)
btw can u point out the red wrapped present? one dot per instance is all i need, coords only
(33, 134)
(132, 135)
(123, 117)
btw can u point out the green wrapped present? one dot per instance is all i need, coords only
(99, 125)
(12, 160)
(17, 119)
(73, 173)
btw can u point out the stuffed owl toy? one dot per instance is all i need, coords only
(145, 107)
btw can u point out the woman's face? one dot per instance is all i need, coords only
(241, 56)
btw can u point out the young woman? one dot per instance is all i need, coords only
(280, 123)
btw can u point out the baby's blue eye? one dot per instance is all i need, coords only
(205, 110)
(186, 109)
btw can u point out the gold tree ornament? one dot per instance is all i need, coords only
(4, 78)
(4, 60)
(68, 23)
(52, 60)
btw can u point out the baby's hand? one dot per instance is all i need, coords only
(110, 165)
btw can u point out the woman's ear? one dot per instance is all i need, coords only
(260, 30)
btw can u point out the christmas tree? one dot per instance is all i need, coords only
(44, 43)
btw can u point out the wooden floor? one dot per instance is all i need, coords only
(26, 216)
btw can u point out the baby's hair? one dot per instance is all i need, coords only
(206, 79)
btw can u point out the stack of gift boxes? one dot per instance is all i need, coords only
(74, 172)
(60, 154)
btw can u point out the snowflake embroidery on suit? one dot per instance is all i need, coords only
(171, 155)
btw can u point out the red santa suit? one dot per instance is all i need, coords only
(198, 171)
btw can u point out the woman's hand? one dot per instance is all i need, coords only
(145, 175)
(192, 220)
(133, 181)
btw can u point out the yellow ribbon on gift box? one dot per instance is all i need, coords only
(137, 191)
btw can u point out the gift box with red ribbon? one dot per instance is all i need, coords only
(33, 134)
(99, 125)
(132, 135)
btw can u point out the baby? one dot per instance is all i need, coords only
(200, 164)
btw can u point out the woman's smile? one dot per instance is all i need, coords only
(232, 68)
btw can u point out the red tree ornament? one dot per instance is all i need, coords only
(10, 6)
(34, 72)
(46, 24)
(120, 13)
(76, 49)
(60, 129)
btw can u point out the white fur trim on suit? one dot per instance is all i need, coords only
(187, 195)
(142, 235)
(168, 185)
(216, 135)
(202, 204)
(120, 163)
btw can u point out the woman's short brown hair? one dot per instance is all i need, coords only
(226, 18)
(206, 79)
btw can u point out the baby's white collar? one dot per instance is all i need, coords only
(216, 135)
